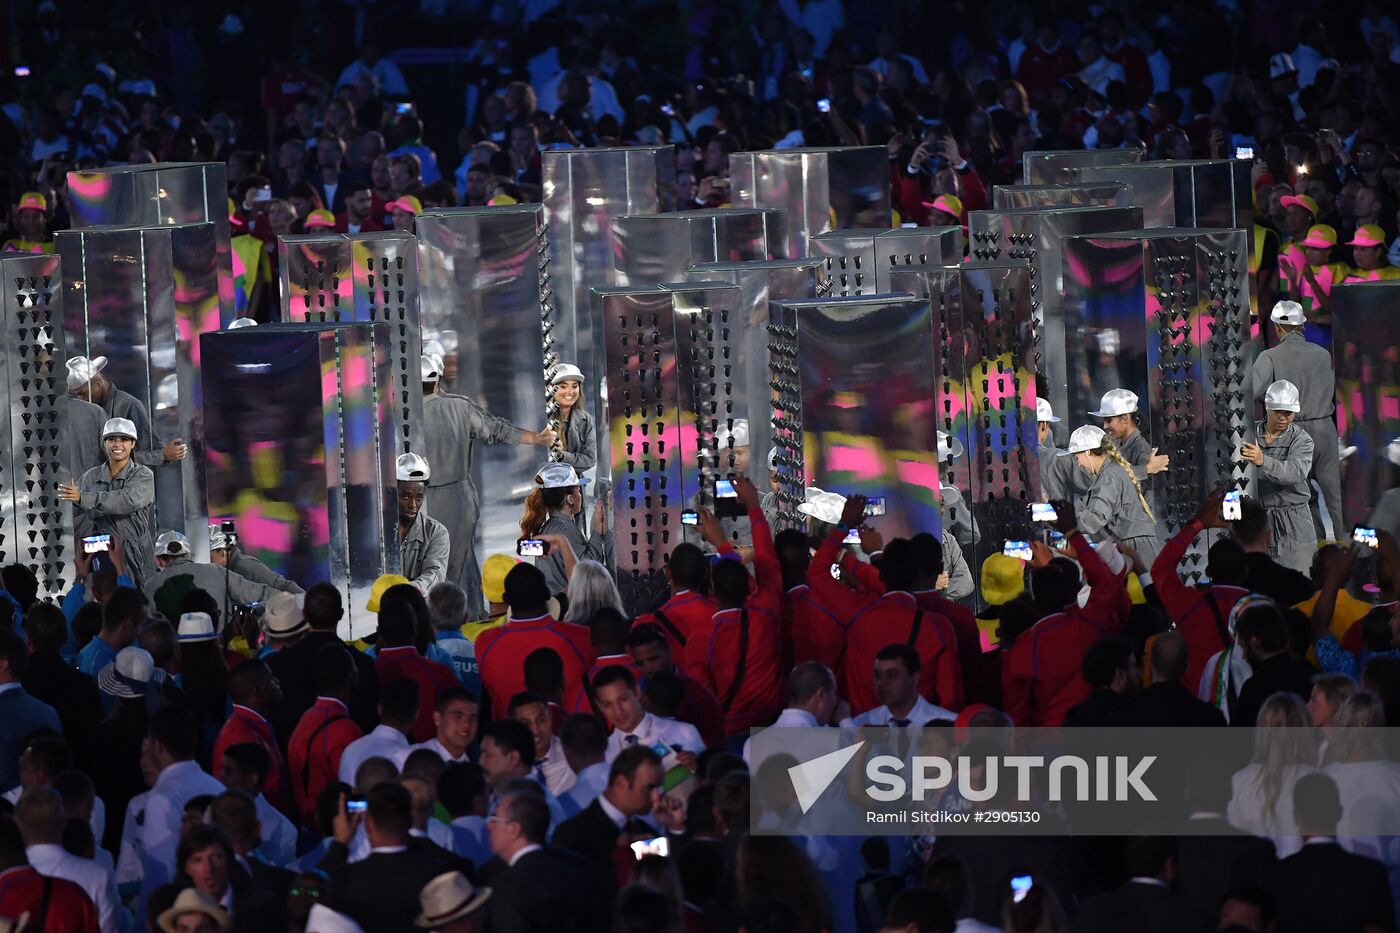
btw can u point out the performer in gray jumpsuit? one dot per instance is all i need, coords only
(1119, 410)
(955, 514)
(1284, 456)
(118, 497)
(452, 427)
(172, 554)
(1309, 367)
(224, 552)
(423, 544)
(1115, 507)
(85, 421)
(86, 382)
(578, 444)
(557, 498)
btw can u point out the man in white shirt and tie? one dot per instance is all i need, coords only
(585, 743)
(551, 767)
(174, 737)
(507, 754)
(40, 817)
(812, 700)
(616, 691)
(456, 721)
(897, 686)
(398, 711)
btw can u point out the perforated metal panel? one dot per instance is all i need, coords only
(710, 332)
(35, 526)
(1036, 235)
(647, 444)
(860, 261)
(657, 249)
(364, 277)
(818, 189)
(301, 440)
(785, 381)
(1165, 314)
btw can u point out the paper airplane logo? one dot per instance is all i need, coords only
(811, 778)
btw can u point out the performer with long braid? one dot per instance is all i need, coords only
(1115, 506)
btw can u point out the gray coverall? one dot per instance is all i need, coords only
(956, 516)
(1112, 510)
(452, 427)
(960, 582)
(581, 451)
(219, 582)
(1061, 478)
(1309, 367)
(84, 451)
(597, 547)
(1137, 452)
(425, 551)
(122, 505)
(254, 570)
(1284, 491)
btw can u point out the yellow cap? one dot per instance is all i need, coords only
(493, 577)
(1002, 579)
(382, 586)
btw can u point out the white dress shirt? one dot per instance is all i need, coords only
(553, 769)
(437, 832)
(129, 862)
(588, 785)
(53, 861)
(383, 742)
(165, 814)
(788, 719)
(921, 712)
(279, 836)
(522, 852)
(434, 745)
(469, 839)
(681, 736)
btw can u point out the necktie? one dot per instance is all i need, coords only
(901, 723)
(630, 739)
(539, 770)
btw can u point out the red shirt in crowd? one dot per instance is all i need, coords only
(686, 611)
(501, 653)
(701, 709)
(712, 652)
(248, 727)
(1040, 672)
(1136, 72)
(69, 910)
(814, 631)
(314, 750)
(370, 225)
(432, 679)
(1202, 616)
(970, 658)
(879, 618)
(1040, 67)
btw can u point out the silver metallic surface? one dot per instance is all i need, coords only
(867, 391)
(1059, 166)
(585, 190)
(36, 527)
(157, 195)
(819, 189)
(760, 285)
(1036, 235)
(301, 441)
(1165, 313)
(710, 328)
(141, 296)
(1079, 194)
(485, 299)
(785, 382)
(1368, 388)
(1212, 193)
(859, 261)
(657, 249)
(647, 447)
(363, 277)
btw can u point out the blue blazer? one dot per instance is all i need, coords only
(20, 716)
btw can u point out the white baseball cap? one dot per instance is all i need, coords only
(172, 544)
(429, 367)
(412, 468)
(1288, 312)
(948, 447)
(196, 627)
(81, 369)
(119, 427)
(239, 323)
(564, 372)
(1116, 402)
(1043, 411)
(1281, 396)
(739, 434)
(558, 476)
(823, 506)
(1083, 440)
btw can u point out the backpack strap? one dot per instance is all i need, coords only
(734, 684)
(669, 626)
(306, 765)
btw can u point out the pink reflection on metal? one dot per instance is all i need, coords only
(918, 473)
(860, 462)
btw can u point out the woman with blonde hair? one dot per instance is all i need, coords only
(1285, 748)
(1367, 781)
(550, 509)
(1115, 506)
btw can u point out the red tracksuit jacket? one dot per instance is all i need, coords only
(432, 679)
(814, 631)
(1040, 673)
(877, 619)
(314, 750)
(712, 651)
(501, 653)
(246, 726)
(1190, 608)
(686, 611)
(971, 660)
